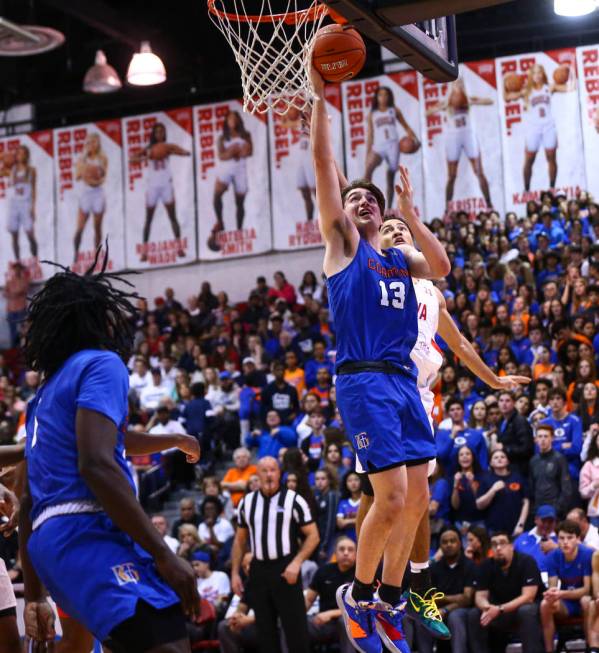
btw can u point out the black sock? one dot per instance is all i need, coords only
(390, 593)
(420, 582)
(362, 591)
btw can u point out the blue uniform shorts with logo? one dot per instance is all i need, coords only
(95, 572)
(385, 420)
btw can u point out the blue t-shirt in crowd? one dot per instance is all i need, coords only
(519, 348)
(348, 509)
(531, 544)
(469, 401)
(448, 447)
(441, 493)
(567, 430)
(194, 415)
(571, 573)
(468, 491)
(503, 512)
(270, 445)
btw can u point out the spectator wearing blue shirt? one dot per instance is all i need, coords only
(567, 431)
(503, 494)
(313, 445)
(519, 344)
(347, 509)
(499, 338)
(449, 440)
(318, 360)
(272, 439)
(466, 392)
(466, 483)
(196, 420)
(541, 540)
(569, 568)
(272, 344)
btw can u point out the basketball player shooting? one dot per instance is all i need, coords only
(373, 300)
(460, 137)
(83, 535)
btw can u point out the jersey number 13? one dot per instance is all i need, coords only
(397, 290)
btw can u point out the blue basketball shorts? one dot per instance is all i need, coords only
(95, 572)
(385, 420)
(573, 607)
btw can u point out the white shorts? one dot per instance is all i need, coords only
(389, 152)
(457, 140)
(92, 200)
(541, 133)
(160, 192)
(19, 215)
(304, 175)
(7, 594)
(428, 401)
(236, 175)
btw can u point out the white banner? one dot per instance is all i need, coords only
(89, 193)
(373, 134)
(461, 142)
(159, 189)
(295, 215)
(231, 181)
(588, 70)
(27, 203)
(540, 124)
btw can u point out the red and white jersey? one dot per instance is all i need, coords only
(21, 184)
(458, 119)
(539, 104)
(426, 353)
(384, 127)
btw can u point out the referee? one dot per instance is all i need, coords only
(272, 519)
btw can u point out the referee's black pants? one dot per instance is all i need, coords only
(272, 597)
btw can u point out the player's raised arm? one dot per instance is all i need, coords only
(464, 350)
(337, 229)
(431, 262)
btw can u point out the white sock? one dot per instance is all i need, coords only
(417, 567)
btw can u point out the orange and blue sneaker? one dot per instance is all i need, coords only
(424, 610)
(389, 625)
(359, 619)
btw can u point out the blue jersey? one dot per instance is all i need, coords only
(571, 573)
(93, 379)
(567, 430)
(374, 308)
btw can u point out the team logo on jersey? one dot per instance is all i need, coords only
(126, 573)
(362, 440)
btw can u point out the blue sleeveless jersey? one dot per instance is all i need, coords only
(374, 308)
(93, 379)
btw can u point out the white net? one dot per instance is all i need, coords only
(271, 50)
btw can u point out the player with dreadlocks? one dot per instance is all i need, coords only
(83, 535)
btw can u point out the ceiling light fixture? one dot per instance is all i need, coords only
(574, 7)
(146, 68)
(101, 77)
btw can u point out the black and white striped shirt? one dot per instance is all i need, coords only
(274, 522)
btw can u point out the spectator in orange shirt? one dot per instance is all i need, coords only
(294, 375)
(543, 365)
(236, 478)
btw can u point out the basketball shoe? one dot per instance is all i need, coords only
(389, 625)
(424, 610)
(360, 621)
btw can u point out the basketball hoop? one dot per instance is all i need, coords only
(271, 50)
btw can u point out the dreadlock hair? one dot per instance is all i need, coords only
(74, 312)
(366, 185)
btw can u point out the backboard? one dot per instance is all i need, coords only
(420, 32)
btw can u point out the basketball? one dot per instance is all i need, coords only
(9, 159)
(513, 83)
(159, 151)
(339, 52)
(561, 74)
(408, 145)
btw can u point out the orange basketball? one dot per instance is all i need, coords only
(561, 74)
(408, 145)
(9, 159)
(159, 151)
(513, 83)
(339, 52)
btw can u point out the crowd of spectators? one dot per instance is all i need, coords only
(256, 379)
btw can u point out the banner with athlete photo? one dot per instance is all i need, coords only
(159, 190)
(89, 193)
(540, 125)
(231, 181)
(293, 186)
(587, 58)
(27, 203)
(381, 117)
(461, 142)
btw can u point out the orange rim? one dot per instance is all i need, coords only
(292, 18)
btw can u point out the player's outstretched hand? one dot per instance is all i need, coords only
(180, 576)
(315, 79)
(190, 446)
(510, 382)
(405, 193)
(39, 626)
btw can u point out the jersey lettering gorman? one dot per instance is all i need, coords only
(374, 308)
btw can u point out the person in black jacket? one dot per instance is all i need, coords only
(280, 396)
(550, 481)
(514, 435)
